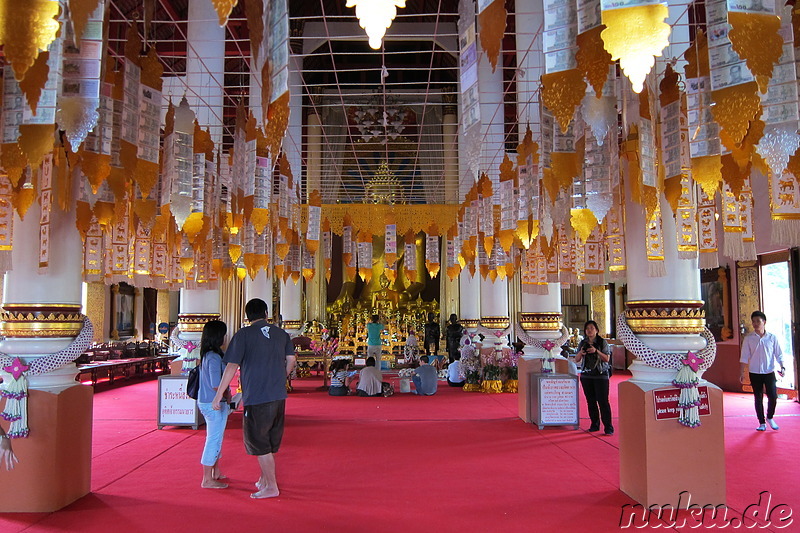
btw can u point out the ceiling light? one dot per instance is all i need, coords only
(375, 16)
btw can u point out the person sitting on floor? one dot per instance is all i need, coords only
(339, 380)
(370, 380)
(425, 378)
(455, 376)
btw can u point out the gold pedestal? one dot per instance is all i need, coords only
(55, 461)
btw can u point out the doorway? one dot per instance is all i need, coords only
(776, 295)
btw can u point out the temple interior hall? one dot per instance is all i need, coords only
(575, 211)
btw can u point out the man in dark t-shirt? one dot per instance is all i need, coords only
(265, 354)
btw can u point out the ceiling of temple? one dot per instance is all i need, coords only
(381, 111)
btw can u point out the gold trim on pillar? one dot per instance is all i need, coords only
(540, 321)
(292, 324)
(194, 322)
(670, 317)
(41, 320)
(495, 322)
(470, 322)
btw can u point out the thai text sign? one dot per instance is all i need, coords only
(666, 403)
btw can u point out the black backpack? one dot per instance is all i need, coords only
(193, 384)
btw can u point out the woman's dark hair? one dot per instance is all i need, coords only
(212, 338)
(370, 361)
(593, 323)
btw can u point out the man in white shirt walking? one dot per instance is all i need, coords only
(762, 352)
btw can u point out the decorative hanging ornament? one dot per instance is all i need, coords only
(636, 33)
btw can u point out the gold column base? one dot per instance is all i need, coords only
(40, 320)
(540, 321)
(495, 322)
(194, 322)
(665, 317)
(292, 324)
(470, 323)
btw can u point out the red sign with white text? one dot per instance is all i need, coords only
(666, 403)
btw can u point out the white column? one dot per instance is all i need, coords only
(58, 291)
(449, 291)
(205, 66)
(529, 20)
(291, 293)
(680, 284)
(205, 71)
(261, 287)
(494, 295)
(316, 289)
(538, 309)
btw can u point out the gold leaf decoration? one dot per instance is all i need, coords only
(26, 28)
(35, 79)
(152, 69)
(96, 167)
(224, 8)
(145, 210)
(133, 44)
(527, 147)
(672, 191)
(13, 161)
(583, 222)
(697, 57)
(669, 89)
(732, 175)
(593, 59)
(277, 121)
(22, 199)
(36, 141)
(266, 89)
(562, 92)
(128, 153)
(565, 167)
(254, 12)
(146, 176)
(707, 172)
(492, 22)
(79, 11)
(734, 108)
(754, 36)
(636, 36)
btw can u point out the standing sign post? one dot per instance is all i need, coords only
(174, 407)
(554, 400)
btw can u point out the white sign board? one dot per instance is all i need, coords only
(174, 407)
(557, 398)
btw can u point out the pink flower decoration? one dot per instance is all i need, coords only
(190, 346)
(692, 361)
(498, 334)
(548, 345)
(16, 368)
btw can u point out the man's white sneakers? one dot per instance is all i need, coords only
(772, 424)
(762, 427)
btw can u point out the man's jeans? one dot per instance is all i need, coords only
(215, 430)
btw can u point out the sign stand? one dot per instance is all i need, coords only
(174, 407)
(554, 400)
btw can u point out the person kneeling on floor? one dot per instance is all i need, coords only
(370, 380)
(455, 376)
(425, 378)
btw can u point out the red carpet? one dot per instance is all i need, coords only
(452, 462)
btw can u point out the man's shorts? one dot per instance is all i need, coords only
(263, 427)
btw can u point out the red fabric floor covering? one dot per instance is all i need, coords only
(452, 462)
